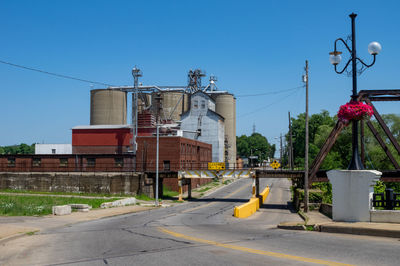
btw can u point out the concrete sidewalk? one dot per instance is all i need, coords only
(14, 226)
(317, 221)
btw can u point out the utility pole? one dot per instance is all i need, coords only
(305, 79)
(290, 153)
(281, 150)
(157, 159)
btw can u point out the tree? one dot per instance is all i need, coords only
(18, 149)
(256, 145)
(339, 156)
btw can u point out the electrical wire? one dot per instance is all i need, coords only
(266, 106)
(269, 93)
(55, 74)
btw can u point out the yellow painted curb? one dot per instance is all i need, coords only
(264, 194)
(249, 208)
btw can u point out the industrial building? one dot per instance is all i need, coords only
(201, 118)
(53, 148)
(178, 110)
(201, 122)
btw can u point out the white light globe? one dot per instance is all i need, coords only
(374, 48)
(335, 59)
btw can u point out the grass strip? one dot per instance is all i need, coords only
(21, 205)
(65, 193)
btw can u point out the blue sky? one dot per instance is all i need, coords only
(252, 47)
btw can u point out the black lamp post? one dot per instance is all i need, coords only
(373, 48)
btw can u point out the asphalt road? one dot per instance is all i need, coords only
(203, 232)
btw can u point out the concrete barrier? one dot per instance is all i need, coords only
(61, 210)
(249, 208)
(264, 194)
(385, 216)
(118, 203)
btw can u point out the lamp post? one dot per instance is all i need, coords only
(373, 48)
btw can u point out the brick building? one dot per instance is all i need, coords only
(176, 152)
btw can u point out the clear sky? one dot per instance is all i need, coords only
(253, 47)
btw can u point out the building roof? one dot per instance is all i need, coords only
(102, 126)
(205, 94)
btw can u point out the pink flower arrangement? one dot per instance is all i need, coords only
(354, 110)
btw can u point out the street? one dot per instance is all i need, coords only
(201, 232)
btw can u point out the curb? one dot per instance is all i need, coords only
(292, 227)
(332, 228)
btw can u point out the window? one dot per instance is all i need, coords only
(53, 151)
(36, 162)
(119, 162)
(91, 162)
(203, 104)
(63, 162)
(11, 162)
(167, 165)
(195, 104)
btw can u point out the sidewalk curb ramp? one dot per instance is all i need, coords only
(249, 208)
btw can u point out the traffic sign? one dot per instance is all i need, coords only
(275, 164)
(216, 166)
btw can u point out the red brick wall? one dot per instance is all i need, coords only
(182, 153)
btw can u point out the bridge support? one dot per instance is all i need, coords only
(352, 193)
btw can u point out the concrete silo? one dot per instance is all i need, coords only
(173, 104)
(225, 105)
(108, 107)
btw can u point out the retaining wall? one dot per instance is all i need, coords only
(95, 182)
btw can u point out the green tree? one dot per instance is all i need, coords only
(18, 149)
(339, 156)
(256, 145)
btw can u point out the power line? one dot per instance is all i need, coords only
(269, 93)
(266, 106)
(55, 74)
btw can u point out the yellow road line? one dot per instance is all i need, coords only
(212, 203)
(253, 251)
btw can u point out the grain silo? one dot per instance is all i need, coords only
(173, 104)
(107, 107)
(225, 105)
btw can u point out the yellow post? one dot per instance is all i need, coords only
(180, 186)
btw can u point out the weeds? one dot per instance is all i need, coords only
(21, 205)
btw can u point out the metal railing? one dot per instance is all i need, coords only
(388, 200)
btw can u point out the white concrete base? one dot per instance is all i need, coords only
(352, 193)
(61, 210)
(385, 216)
(117, 203)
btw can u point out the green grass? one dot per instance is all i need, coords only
(310, 228)
(31, 233)
(64, 193)
(143, 197)
(169, 193)
(204, 189)
(22, 205)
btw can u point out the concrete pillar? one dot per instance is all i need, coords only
(352, 193)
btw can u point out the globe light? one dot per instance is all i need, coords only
(335, 58)
(374, 48)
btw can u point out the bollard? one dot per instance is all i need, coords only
(180, 189)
